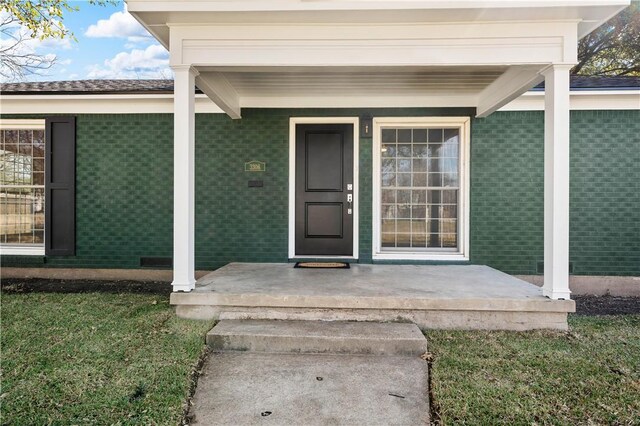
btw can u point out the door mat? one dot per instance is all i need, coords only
(320, 265)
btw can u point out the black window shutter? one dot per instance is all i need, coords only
(60, 186)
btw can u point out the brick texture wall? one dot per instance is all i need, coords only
(124, 189)
(507, 171)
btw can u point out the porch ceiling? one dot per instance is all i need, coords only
(355, 86)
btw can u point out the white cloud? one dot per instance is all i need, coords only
(119, 25)
(152, 62)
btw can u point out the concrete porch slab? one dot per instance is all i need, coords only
(432, 296)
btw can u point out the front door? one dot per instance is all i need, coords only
(324, 190)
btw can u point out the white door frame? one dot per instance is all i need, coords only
(293, 121)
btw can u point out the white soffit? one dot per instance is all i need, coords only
(400, 81)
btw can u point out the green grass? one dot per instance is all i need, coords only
(95, 359)
(126, 359)
(590, 375)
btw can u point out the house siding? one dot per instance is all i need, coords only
(124, 189)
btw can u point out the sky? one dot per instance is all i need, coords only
(110, 44)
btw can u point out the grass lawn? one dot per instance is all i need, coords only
(590, 375)
(95, 358)
(100, 358)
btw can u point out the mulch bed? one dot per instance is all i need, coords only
(31, 285)
(606, 305)
(585, 305)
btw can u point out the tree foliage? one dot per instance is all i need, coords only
(44, 17)
(613, 48)
(24, 21)
(18, 59)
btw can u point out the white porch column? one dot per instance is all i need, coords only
(184, 178)
(556, 182)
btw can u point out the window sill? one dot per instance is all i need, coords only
(22, 251)
(420, 256)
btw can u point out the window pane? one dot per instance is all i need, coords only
(420, 150)
(388, 195)
(389, 135)
(404, 135)
(404, 150)
(22, 201)
(419, 135)
(388, 150)
(418, 196)
(420, 178)
(403, 179)
(22, 215)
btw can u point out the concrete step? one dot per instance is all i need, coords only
(332, 337)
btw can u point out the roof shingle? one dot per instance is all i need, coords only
(87, 87)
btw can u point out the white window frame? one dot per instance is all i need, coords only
(463, 123)
(22, 249)
(293, 122)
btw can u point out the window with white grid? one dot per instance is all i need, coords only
(419, 187)
(22, 201)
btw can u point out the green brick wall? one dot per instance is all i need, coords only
(124, 204)
(507, 195)
(507, 191)
(238, 223)
(605, 192)
(124, 189)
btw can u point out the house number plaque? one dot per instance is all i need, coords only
(255, 166)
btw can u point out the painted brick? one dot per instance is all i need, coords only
(508, 192)
(124, 189)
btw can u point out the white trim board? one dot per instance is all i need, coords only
(99, 104)
(163, 104)
(22, 124)
(16, 250)
(464, 198)
(580, 100)
(293, 121)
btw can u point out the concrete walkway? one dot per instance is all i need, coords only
(311, 389)
(307, 375)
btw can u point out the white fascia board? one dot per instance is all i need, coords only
(346, 5)
(422, 44)
(98, 104)
(580, 100)
(163, 104)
